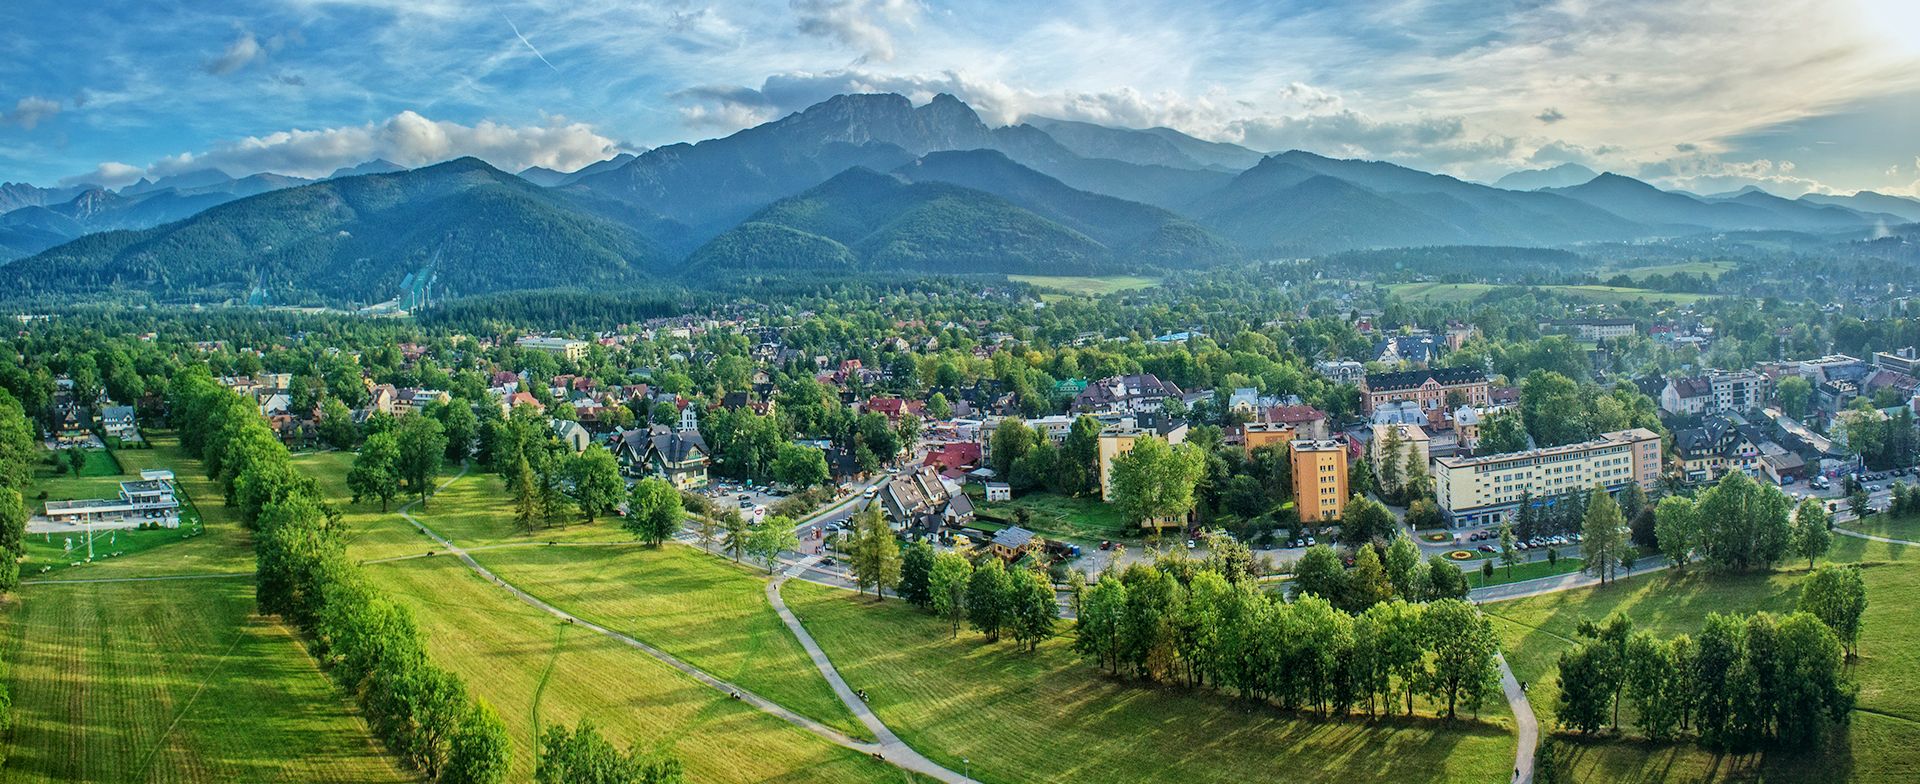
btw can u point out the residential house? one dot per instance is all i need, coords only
(923, 500)
(1430, 388)
(1013, 543)
(1341, 371)
(1685, 397)
(1125, 394)
(118, 422)
(1412, 437)
(1719, 445)
(1421, 349)
(1319, 478)
(1307, 421)
(572, 434)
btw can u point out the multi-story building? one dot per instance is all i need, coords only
(1412, 437)
(1341, 371)
(1125, 394)
(1487, 490)
(1596, 328)
(562, 347)
(1319, 478)
(1717, 392)
(1118, 439)
(1430, 388)
(1716, 447)
(1905, 360)
(1258, 434)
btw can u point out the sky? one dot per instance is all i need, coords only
(1702, 95)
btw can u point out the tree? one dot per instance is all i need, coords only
(876, 553)
(1391, 474)
(1550, 404)
(947, 585)
(773, 536)
(582, 756)
(1424, 513)
(800, 466)
(1319, 573)
(738, 533)
(1367, 583)
(1099, 630)
(1858, 502)
(1011, 440)
(916, 569)
(654, 513)
(423, 447)
(706, 527)
(1676, 528)
(1603, 536)
(1154, 482)
(461, 427)
(1837, 595)
(1463, 646)
(1034, 611)
(1502, 432)
(13, 535)
(1794, 392)
(336, 426)
(989, 598)
(1509, 555)
(376, 470)
(1365, 520)
(1444, 580)
(526, 494)
(1810, 535)
(597, 486)
(1403, 568)
(479, 751)
(1486, 572)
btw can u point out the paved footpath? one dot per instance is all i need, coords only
(889, 747)
(1858, 535)
(1524, 722)
(895, 750)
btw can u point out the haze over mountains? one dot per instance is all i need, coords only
(854, 183)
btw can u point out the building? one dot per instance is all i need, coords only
(572, 434)
(999, 491)
(1715, 448)
(1125, 394)
(1012, 544)
(1905, 360)
(1319, 478)
(1341, 371)
(69, 426)
(1487, 490)
(1685, 397)
(149, 500)
(1411, 437)
(678, 456)
(1306, 420)
(1418, 349)
(1258, 434)
(565, 348)
(924, 500)
(118, 422)
(1118, 440)
(1430, 388)
(1597, 328)
(1738, 392)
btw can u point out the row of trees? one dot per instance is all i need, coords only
(1740, 524)
(1307, 653)
(1376, 576)
(1743, 681)
(583, 756)
(991, 597)
(16, 468)
(367, 642)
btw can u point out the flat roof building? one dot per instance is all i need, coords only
(1319, 478)
(149, 500)
(1487, 490)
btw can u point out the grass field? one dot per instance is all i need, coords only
(1084, 520)
(1531, 570)
(1903, 527)
(1460, 293)
(702, 609)
(1711, 269)
(1047, 716)
(537, 671)
(1885, 727)
(173, 681)
(1086, 286)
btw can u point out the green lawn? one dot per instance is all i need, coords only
(1885, 727)
(538, 671)
(1711, 269)
(1460, 293)
(172, 682)
(1085, 520)
(1046, 716)
(705, 610)
(1086, 286)
(1903, 527)
(1531, 570)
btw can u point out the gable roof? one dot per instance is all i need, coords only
(1414, 379)
(1013, 538)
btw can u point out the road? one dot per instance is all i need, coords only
(902, 756)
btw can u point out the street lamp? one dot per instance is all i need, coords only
(969, 767)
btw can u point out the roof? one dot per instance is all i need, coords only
(1293, 415)
(117, 412)
(1414, 379)
(1013, 538)
(1700, 386)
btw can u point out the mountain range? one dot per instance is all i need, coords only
(854, 183)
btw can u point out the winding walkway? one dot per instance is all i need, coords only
(889, 748)
(1526, 725)
(1872, 537)
(895, 750)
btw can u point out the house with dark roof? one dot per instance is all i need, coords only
(1417, 349)
(1687, 396)
(680, 457)
(1013, 543)
(1125, 395)
(118, 422)
(922, 500)
(1431, 388)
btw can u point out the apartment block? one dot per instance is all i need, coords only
(1487, 490)
(1319, 478)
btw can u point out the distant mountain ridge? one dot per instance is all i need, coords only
(852, 183)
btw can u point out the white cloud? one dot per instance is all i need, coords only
(245, 49)
(30, 111)
(865, 25)
(407, 138)
(1707, 174)
(111, 174)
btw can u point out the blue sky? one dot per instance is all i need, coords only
(1706, 95)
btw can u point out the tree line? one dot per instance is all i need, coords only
(16, 469)
(367, 641)
(1744, 681)
(1195, 624)
(1740, 524)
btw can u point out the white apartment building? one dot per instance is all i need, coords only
(1474, 491)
